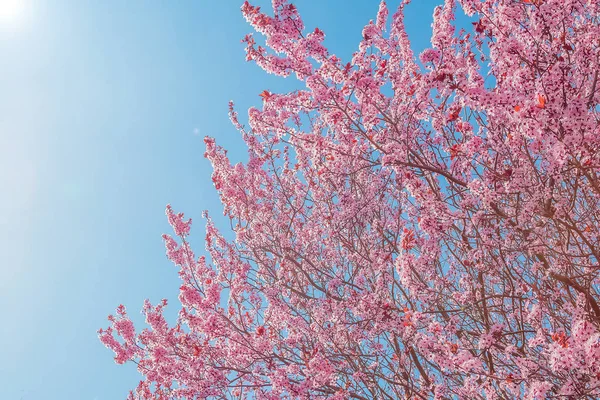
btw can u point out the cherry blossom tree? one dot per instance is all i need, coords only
(406, 227)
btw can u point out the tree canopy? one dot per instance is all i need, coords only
(406, 227)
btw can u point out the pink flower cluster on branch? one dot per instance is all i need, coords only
(403, 229)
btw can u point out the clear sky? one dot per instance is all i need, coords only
(103, 107)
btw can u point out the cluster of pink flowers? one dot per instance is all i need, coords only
(402, 230)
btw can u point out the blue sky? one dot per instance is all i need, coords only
(103, 107)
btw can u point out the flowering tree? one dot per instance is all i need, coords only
(403, 229)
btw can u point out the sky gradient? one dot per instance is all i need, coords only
(103, 107)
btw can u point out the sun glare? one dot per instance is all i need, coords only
(11, 11)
